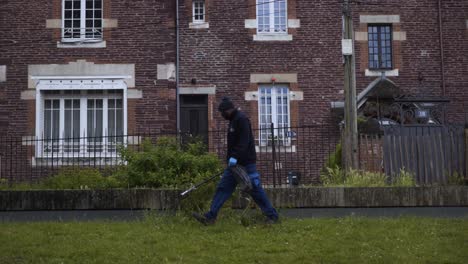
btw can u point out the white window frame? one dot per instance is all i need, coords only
(272, 15)
(194, 8)
(81, 85)
(281, 133)
(83, 27)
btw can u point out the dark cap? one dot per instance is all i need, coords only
(225, 104)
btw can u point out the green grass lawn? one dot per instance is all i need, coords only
(181, 240)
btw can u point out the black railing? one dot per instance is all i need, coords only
(281, 152)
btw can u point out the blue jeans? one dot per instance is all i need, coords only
(228, 184)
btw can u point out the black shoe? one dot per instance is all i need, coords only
(202, 219)
(272, 221)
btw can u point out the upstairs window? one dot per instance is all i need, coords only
(380, 46)
(271, 16)
(82, 20)
(198, 11)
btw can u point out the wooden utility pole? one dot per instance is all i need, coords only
(350, 146)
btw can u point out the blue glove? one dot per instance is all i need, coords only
(232, 162)
(256, 182)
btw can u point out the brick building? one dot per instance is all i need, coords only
(75, 51)
(80, 68)
(290, 51)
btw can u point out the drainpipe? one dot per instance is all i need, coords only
(177, 66)
(442, 65)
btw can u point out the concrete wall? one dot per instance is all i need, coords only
(281, 198)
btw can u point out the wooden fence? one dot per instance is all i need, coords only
(432, 153)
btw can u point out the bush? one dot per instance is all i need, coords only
(167, 165)
(67, 178)
(79, 178)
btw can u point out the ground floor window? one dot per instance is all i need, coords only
(81, 121)
(273, 108)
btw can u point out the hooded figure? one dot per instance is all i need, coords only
(241, 151)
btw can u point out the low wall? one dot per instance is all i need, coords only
(281, 197)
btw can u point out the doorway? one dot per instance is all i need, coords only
(194, 117)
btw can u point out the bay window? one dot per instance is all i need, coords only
(80, 122)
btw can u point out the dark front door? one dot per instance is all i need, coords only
(194, 117)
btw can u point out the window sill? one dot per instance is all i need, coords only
(64, 44)
(199, 25)
(81, 161)
(278, 149)
(378, 73)
(272, 37)
(3, 73)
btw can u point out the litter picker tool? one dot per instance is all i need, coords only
(239, 173)
(193, 188)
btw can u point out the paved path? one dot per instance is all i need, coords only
(130, 215)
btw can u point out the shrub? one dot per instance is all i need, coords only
(67, 178)
(167, 165)
(79, 178)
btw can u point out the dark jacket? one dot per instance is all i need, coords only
(241, 143)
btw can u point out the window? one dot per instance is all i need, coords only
(84, 122)
(273, 108)
(198, 11)
(271, 16)
(82, 20)
(380, 46)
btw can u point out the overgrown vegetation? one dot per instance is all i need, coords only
(334, 159)
(163, 165)
(69, 178)
(456, 179)
(166, 164)
(354, 178)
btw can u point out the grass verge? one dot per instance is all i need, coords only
(180, 240)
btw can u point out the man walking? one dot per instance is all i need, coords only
(241, 151)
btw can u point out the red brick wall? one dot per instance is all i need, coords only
(225, 55)
(420, 21)
(145, 36)
(455, 35)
